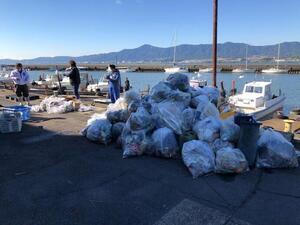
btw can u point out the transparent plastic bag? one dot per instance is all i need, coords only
(231, 160)
(199, 102)
(132, 143)
(115, 116)
(141, 120)
(117, 130)
(161, 91)
(99, 131)
(219, 144)
(198, 158)
(229, 131)
(169, 114)
(165, 143)
(208, 129)
(188, 116)
(180, 81)
(131, 96)
(274, 151)
(209, 110)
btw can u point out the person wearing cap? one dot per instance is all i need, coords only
(114, 81)
(21, 78)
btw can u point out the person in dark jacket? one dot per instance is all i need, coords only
(74, 76)
(114, 81)
(127, 84)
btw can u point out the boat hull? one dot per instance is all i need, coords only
(176, 70)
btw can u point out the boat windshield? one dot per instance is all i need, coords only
(252, 89)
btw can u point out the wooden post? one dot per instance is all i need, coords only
(215, 41)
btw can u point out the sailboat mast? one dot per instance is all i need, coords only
(174, 54)
(278, 55)
(246, 57)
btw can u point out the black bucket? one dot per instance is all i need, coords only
(249, 134)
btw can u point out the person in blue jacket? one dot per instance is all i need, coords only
(114, 83)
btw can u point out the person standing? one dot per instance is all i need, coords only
(127, 84)
(114, 81)
(74, 76)
(20, 78)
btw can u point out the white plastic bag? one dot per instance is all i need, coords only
(161, 91)
(208, 129)
(130, 96)
(209, 110)
(165, 143)
(132, 142)
(274, 151)
(198, 158)
(117, 130)
(231, 160)
(140, 120)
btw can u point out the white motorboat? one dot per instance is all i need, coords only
(246, 70)
(275, 70)
(5, 77)
(101, 86)
(257, 100)
(205, 70)
(122, 69)
(176, 69)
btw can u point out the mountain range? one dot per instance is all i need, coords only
(149, 53)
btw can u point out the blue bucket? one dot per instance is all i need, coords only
(24, 110)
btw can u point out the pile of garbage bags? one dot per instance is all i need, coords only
(58, 105)
(177, 120)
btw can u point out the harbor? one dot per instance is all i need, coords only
(138, 113)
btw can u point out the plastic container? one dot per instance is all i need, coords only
(10, 122)
(249, 134)
(24, 110)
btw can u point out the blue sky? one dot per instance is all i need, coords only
(31, 28)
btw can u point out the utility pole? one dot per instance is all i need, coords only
(215, 42)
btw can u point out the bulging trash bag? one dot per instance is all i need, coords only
(188, 116)
(187, 136)
(208, 129)
(165, 143)
(274, 151)
(229, 131)
(132, 142)
(147, 145)
(219, 144)
(199, 102)
(231, 160)
(198, 157)
(212, 93)
(117, 130)
(181, 96)
(133, 106)
(209, 110)
(130, 96)
(141, 120)
(195, 92)
(180, 81)
(169, 114)
(161, 92)
(100, 131)
(60, 107)
(121, 115)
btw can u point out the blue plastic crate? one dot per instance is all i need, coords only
(24, 110)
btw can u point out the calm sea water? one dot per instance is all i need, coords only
(289, 84)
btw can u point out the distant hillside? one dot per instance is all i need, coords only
(148, 53)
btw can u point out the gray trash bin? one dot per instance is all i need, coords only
(249, 134)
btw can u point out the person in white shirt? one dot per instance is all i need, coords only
(20, 78)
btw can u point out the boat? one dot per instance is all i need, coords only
(122, 69)
(205, 70)
(101, 87)
(196, 82)
(275, 70)
(257, 100)
(5, 77)
(175, 68)
(246, 70)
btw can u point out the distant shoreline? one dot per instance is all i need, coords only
(160, 67)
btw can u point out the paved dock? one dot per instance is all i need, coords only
(52, 175)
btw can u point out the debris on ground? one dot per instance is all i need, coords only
(58, 105)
